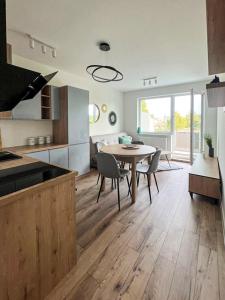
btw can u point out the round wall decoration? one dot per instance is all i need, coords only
(104, 108)
(94, 113)
(112, 118)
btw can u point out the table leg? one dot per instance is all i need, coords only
(103, 184)
(133, 180)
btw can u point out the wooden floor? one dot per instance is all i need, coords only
(172, 249)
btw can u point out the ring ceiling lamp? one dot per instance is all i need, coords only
(93, 70)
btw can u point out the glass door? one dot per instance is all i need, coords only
(197, 125)
(182, 128)
(187, 128)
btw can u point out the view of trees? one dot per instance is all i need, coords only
(163, 125)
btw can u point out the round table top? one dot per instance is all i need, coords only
(117, 149)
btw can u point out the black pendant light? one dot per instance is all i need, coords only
(93, 69)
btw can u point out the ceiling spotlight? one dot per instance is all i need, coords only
(43, 48)
(54, 53)
(31, 43)
(150, 81)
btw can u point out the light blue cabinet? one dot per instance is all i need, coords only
(79, 158)
(28, 109)
(59, 157)
(41, 107)
(78, 119)
(41, 155)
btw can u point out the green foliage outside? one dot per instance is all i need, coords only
(181, 122)
(144, 107)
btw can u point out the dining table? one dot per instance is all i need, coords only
(130, 154)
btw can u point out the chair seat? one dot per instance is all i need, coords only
(124, 172)
(142, 168)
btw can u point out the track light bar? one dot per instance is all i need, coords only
(44, 46)
(150, 81)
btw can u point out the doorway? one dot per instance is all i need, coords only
(188, 120)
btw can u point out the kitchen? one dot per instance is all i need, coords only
(68, 231)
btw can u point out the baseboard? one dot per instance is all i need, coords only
(223, 221)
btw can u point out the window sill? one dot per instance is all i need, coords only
(169, 134)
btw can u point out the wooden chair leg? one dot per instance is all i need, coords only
(156, 182)
(118, 192)
(100, 188)
(149, 189)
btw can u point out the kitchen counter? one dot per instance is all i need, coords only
(28, 149)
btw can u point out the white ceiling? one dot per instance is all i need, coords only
(164, 38)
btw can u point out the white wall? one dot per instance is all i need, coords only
(130, 109)
(15, 132)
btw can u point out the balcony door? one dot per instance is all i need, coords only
(187, 133)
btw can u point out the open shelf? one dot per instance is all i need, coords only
(46, 103)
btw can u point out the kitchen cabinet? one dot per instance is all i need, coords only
(44, 106)
(50, 103)
(28, 109)
(41, 155)
(73, 127)
(79, 158)
(78, 117)
(59, 157)
(216, 35)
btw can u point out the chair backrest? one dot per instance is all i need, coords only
(107, 165)
(99, 145)
(154, 162)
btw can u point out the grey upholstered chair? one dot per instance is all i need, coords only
(108, 168)
(99, 145)
(148, 170)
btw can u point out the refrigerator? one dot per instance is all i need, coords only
(78, 129)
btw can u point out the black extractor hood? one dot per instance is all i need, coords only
(16, 84)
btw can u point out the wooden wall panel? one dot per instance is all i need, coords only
(216, 35)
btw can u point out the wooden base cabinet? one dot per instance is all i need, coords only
(38, 238)
(204, 177)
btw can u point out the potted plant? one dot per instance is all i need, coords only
(208, 140)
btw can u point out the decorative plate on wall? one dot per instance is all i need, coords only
(104, 108)
(112, 118)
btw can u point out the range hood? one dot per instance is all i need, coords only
(16, 83)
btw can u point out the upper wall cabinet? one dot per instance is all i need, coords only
(216, 35)
(44, 106)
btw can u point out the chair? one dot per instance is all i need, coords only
(108, 168)
(148, 170)
(99, 145)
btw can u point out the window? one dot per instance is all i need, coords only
(155, 115)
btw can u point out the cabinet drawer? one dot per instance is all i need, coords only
(41, 155)
(204, 186)
(59, 157)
